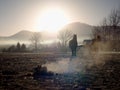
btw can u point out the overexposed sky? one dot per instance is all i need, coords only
(16, 15)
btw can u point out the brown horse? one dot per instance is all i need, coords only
(73, 45)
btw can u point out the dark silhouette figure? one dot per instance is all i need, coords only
(73, 45)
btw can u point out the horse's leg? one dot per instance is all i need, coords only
(75, 51)
(72, 52)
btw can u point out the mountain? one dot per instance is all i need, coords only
(82, 30)
(23, 35)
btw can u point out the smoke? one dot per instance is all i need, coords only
(65, 65)
(86, 57)
(103, 49)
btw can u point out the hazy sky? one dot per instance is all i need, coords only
(16, 15)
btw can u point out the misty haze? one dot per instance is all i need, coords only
(59, 45)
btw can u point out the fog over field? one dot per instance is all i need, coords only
(59, 44)
(82, 30)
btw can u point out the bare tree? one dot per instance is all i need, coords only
(64, 36)
(109, 30)
(23, 47)
(114, 22)
(18, 46)
(114, 18)
(35, 40)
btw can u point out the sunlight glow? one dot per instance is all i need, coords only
(52, 20)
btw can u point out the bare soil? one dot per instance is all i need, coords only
(16, 73)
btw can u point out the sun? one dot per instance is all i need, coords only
(52, 20)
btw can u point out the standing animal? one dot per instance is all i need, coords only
(73, 45)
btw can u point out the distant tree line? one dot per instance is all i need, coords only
(16, 48)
